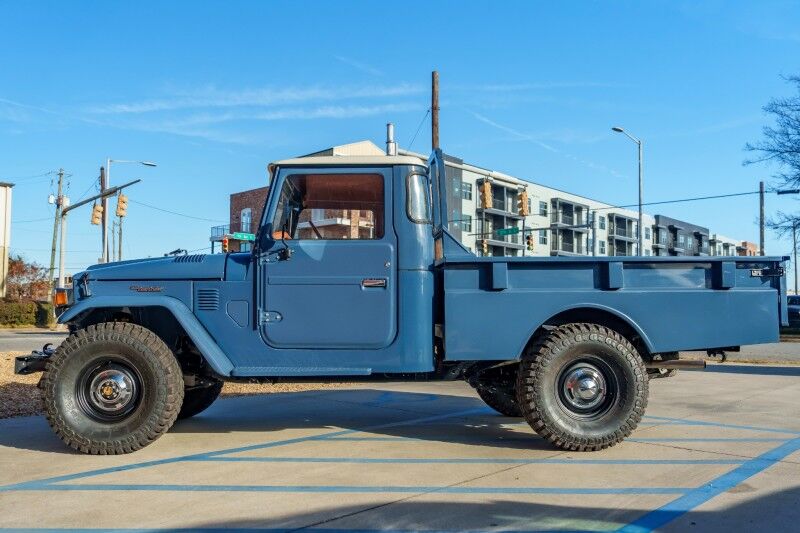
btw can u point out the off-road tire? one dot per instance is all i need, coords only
(539, 386)
(198, 399)
(501, 399)
(159, 398)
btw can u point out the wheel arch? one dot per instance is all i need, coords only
(167, 317)
(603, 316)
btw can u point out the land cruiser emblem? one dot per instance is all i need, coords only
(140, 288)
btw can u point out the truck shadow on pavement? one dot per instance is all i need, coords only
(363, 414)
(775, 511)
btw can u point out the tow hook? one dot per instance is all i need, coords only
(35, 362)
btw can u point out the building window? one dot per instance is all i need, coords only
(689, 243)
(647, 252)
(246, 219)
(602, 246)
(466, 191)
(602, 223)
(542, 236)
(466, 223)
(529, 206)
(543, 208)
(646, 233)
(681, 239)
(245, 247)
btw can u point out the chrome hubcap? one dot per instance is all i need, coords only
(109, 391)
(112, 390)
(584, 387)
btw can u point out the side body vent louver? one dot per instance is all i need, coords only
(196, 258)
(207, 299)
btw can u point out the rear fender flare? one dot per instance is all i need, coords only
(594, 307)
(207, 346)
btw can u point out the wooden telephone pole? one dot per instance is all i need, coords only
(434, 110)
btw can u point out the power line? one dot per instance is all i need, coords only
(174, 212)
(30, 220)
(421, 122)
(43, 174)
(694, 199)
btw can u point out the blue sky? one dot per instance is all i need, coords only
(214, 91)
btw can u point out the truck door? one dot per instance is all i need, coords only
(336, 287)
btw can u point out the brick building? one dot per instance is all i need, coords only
(246, 208)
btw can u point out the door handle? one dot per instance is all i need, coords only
(369, 283)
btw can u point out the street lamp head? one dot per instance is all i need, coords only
(148, 163)
(617, 129)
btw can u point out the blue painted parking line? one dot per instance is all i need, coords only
(686, 422)
(362, 489)
(700, 495)
(708, 439)
(467, 460)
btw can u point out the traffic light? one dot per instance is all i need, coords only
(225, 245)
(522, 203)
(529, 242)
(485, 247)
(97, 214)
(122, 205)
(486, 194)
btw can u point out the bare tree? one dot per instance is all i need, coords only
(781, 142)
(785, 225)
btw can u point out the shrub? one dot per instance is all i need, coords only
(18, 313)
(45, 316)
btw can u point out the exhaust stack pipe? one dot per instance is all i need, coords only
(678, 364)
(391, 146)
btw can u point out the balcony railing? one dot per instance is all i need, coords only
(228, 229)
(573, 247)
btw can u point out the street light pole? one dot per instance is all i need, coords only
(639, 144)
(103, 188)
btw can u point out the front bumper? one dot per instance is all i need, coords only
(35, 362)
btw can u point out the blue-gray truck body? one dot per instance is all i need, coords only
(414, 297)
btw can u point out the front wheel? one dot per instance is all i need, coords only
(112, 388)
(583, 387)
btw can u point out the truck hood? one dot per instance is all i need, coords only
(189, 267)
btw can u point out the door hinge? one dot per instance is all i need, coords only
(265, 317)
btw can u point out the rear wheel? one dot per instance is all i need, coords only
(112, 388)
(198, 399)
(583, 387)
(501, 399)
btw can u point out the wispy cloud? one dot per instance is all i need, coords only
(212, 97)
(544, 85)
(358, 65)
(538, 142)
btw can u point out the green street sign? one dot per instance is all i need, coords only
(508, 231)
(243, 236)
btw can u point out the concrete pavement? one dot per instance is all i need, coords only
(719, 451)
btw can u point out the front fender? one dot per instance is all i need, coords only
(207, 346)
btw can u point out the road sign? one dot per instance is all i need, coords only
(508, 231)
(239, 236)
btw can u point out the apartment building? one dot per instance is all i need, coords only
(482, 201)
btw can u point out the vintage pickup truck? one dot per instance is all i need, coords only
(565, 343)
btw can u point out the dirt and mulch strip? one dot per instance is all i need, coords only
(20, 396)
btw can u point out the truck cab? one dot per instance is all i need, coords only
(354, 273)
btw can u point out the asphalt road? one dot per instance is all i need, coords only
(717, 451)
(23, 340)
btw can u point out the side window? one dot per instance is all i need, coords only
(418, 203)
(330, 207)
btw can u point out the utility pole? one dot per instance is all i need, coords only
(761, 218)
(794, 252)
(119, 240)
(56, 221)
(434, 110)
(104, 223)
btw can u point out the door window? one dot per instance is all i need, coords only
(330, 207)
